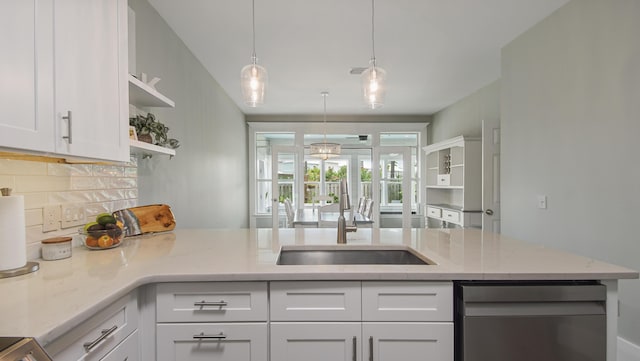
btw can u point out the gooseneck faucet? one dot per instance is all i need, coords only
(345, 203)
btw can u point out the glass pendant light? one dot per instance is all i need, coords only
(374, 78)
(325, 150)
(253, 77)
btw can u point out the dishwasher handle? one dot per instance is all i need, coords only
(506, 309)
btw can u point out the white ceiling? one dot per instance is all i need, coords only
(435, 52)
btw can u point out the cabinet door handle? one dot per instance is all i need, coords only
(69, 119)
(204, 303)
(370, 348)
(103, 334)
(202, 336)
(355, 344)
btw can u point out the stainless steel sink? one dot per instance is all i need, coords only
(309, 255)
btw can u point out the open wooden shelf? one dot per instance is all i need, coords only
(142, 148)
(140, 94)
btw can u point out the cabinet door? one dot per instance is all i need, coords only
(127, 350)
(315, 301)
(97, 336)
(407, 301)
(306, 341)
(26, 70)
(90, 40)
(211, 302)
(408, 341)
(212, 342)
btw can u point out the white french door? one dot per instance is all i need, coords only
(392, 190)
(491, 175)
(284, 172)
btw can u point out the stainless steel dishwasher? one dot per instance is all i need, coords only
(559, 321)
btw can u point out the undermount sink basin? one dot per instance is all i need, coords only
(331, 255)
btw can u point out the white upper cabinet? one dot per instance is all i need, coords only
(91, 87)
(64, 88)
(26, 70)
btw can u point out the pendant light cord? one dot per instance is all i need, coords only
(324, 96)
(253, 27)
(373, 41)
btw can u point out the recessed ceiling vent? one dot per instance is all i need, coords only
(357, 70)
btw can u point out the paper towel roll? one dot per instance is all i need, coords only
(13, 247)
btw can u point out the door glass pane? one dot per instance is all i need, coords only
(312, 170)
(335, 170)
(365, 175)
(264, 176)
(399, 139)
(285, 188)
(392, 168)
(263, 198)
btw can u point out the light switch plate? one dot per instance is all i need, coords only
(73, 214)
(542, 202)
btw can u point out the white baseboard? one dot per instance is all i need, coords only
(628, 351)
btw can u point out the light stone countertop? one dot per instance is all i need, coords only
(63, 293)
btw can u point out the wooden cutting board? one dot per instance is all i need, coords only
(146, 219)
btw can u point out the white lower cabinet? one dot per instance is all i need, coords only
(407, 341)
(102, 334)
(213, 321)
(212, 342)
(127, 350)
(316, 341)
(392, 320)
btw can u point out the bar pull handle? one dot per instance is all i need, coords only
(370, 348)
(69, 120)
(355, 345)
(103, 334)
(202, 336)
(204, 303)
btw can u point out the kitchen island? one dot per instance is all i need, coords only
(63, 294)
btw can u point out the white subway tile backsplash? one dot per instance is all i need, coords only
(86, 183)
(108, 171)
(20, 167)
(130, 172)
(72, 197)
(56, 169)
(120, 182)
(98, 187)
(33, 217)
(35, 200)
(6, 181)
(28, 184)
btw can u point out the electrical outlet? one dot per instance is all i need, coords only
(50, 218)
(73, 214)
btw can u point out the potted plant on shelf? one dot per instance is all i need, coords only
(151, 131)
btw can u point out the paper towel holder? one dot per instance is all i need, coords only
(28, 268)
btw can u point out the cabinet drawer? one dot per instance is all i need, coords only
(215, 342)
(127, 350)
(434, 212)
(451, 216)
(315, 301)
(97, 336)
(211, 301)
(443, 179)
(407, 301)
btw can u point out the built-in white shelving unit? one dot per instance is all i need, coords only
(454, 183)
(142, 95)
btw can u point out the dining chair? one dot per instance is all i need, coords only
(368, 208)
(327, 215)
(288, 207)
